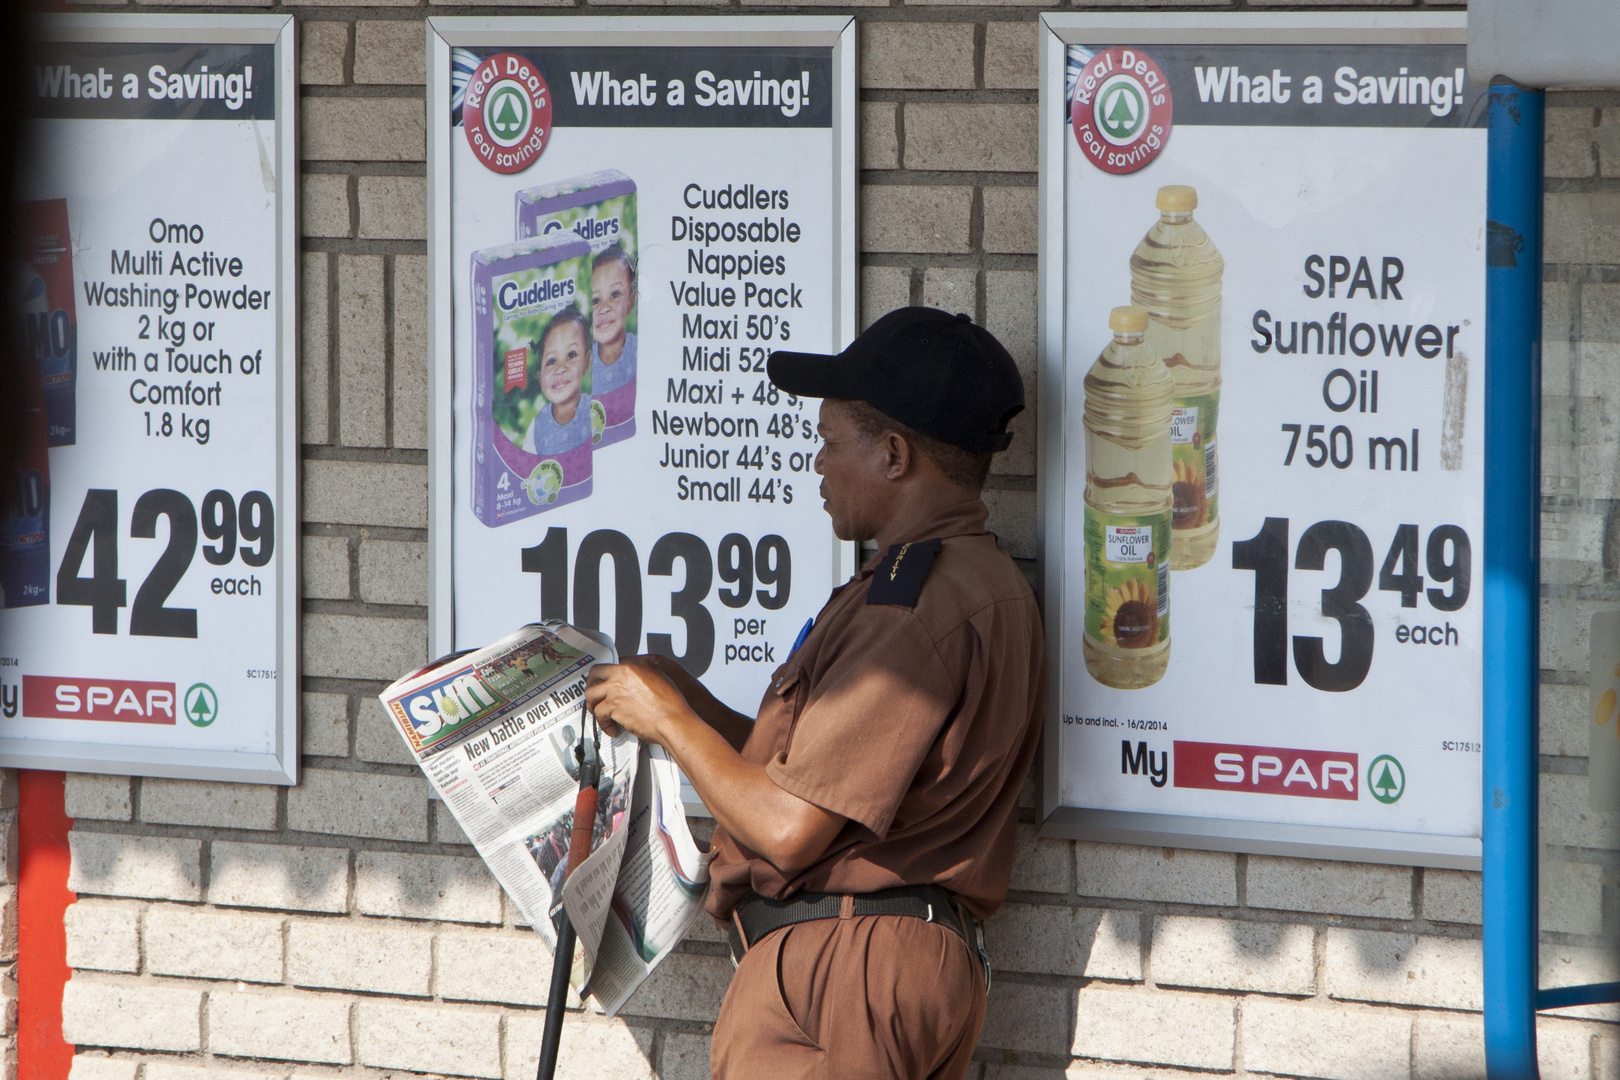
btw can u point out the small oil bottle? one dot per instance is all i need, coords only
(1128, 508)
(1176, 275)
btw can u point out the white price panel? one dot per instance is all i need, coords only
(1299, 206)
(629, 215)
(148, 544)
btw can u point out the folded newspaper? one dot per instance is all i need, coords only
(495, 730)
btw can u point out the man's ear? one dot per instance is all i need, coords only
(900, 457)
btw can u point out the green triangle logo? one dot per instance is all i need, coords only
(1386, 779)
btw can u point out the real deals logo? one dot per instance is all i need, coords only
(507, 113)
(1121, 110)
(1386, 779)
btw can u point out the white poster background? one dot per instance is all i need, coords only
(1268, 197)
(632, 493)
(118, 176)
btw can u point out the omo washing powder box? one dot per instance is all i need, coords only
(534, 422)
(50, 328)
(600, 209)
(25, 510)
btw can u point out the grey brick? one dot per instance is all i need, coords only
(93, 796)
(1334, 887)
(393, 207)
(279, 876)
(392, 52)
(165, 1070)
(883, 288)
(394, 572)
(202, 944)
(1568, 818)
(103, 935)
(880, 141)
(208, 802)
(961, 136)
(362, 352)
(341, 954)
(1600, 311)
(95, 1067)
(286, 1027)
(1010, 314)
(324, 567)
(1027, 1019)
(314, 358)
(452, 888)
(410, 351)
(592, 1049)
(363, 129)
(1571, 896)
(365, 493)
(460, 1042)
(323, 48)
(1012, 519)
(466, 960)
(137, 1015)
(1568, 135)
(685, 1057)
(1040, 865)
(1448, 1047)
(684, 987)
(1305, 1040)
(916, 56)
(359, 804)
(916, 218)
(377, 739)
(1452, 896)
(1582, 227)
(1011, 220)
(1273, 958)
(1011, 55)
(362, 647)
(324, 204)
(157, 867)
(1051, 940)
(1564, 723)
(1608, 143)
(445, 826)
(1165, 875)
(1196, 1030)
(1401, 969)
(953, 288)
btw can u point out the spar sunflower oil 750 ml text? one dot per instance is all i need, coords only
(1128, 508)
(1176, 276)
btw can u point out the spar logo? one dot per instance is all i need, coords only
(1267, 770)
(1121, 110)
(507, 113)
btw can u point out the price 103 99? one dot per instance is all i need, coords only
(1447, 557)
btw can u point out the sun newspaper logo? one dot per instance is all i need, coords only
(128, 701)
(1266, 770)
(436, 711)
(1121, 110)
(507, 113)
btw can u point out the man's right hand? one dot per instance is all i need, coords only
(733, 726)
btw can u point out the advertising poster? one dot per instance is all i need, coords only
(1272, 483)
(630, 215)
(148, 545)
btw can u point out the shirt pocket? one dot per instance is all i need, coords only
(773, 730)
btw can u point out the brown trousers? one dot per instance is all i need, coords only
(873, 997)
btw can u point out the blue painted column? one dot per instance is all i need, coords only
(1512, 607)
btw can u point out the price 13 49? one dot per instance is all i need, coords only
(1449, 558)
(742, 563)
(224, 521)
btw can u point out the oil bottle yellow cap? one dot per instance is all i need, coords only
(1177, 199)
(1128, 320)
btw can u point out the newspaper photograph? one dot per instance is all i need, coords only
(500, 733)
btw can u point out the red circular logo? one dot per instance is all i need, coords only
(1121, 110)
(507, 113)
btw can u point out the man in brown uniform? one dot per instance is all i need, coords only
(865, 818)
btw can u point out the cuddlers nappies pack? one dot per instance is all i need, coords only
(600, 209)
(535, 421)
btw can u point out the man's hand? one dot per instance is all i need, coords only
(636, 696)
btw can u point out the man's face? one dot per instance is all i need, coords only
(853, 468)
(612, 297)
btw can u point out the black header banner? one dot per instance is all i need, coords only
(144, 81)
(1309, 85)
(745, 87)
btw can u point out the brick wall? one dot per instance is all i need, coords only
(344, 927)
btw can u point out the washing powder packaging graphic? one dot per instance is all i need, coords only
(599, 208)
(1298, 218)
(25, 510)
(49, 327)
(535, 422)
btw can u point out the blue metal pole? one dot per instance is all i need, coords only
(1512, 608)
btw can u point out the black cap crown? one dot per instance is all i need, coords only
(935, 372)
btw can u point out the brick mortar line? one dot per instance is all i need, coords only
(364, 609)
(365, 532)
(322, 167)
(355, 245)
(367, 455)
(363, 91)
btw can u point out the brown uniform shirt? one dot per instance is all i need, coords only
(918, 724)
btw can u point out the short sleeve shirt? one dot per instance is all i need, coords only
(917, 724)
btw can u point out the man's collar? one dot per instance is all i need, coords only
(956, 520)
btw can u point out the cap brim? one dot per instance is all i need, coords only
(814, 375)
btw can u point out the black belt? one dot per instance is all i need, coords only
(758, 915)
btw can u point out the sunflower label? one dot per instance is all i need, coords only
(1127, 579)
(1192, 457)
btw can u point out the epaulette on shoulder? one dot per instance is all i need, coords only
(899, 575)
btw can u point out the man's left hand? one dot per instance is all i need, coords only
(633, 695)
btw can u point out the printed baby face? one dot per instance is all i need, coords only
(612, 297)
(562, 363)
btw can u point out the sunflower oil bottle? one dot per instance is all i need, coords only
(1128, 508)
(1176, 276)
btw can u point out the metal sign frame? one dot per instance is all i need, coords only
(1131, 827)
(443, 33)
(281, 765)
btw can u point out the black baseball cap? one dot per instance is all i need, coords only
(935, 372)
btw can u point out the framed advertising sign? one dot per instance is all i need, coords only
(628, 214)
(149, 542)
(1263, 324)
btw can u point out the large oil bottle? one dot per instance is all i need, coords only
(1176, 276)
(1128, 508)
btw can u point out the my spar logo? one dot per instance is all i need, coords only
(507, 113)
(1121, 110)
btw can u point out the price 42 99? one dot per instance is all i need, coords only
(232, 526)
(1448, 556)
